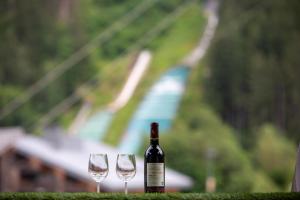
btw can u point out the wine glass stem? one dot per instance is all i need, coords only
(126, 188)
(98, 187)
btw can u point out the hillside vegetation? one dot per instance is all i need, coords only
(238, 120)
(254, 66)
(35, 37)
(238, 115)
(168, 50)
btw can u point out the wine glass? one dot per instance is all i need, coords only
(98, 168)
(126, 168)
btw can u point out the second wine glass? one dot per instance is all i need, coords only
(126, 168)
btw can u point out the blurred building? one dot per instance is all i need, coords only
(57, 162)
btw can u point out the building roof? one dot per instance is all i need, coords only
(7, 137)
(72, 155)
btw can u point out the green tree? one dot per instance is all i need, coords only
(275, 155)
(253, 62)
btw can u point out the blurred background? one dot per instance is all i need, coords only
(221, 78)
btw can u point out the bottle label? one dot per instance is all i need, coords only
(155, 175)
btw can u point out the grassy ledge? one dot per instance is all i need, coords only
(204, 196)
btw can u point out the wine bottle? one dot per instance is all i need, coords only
(154, 164)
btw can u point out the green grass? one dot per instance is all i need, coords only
(168, 50)
(167, 196)
(111, 77)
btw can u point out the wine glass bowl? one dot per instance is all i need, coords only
(98, 168)
(126, 168)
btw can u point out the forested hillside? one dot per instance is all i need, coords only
(37, 37)
(254, 66)
(239, 118)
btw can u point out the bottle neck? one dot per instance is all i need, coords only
(154, 134)
(154, 141)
